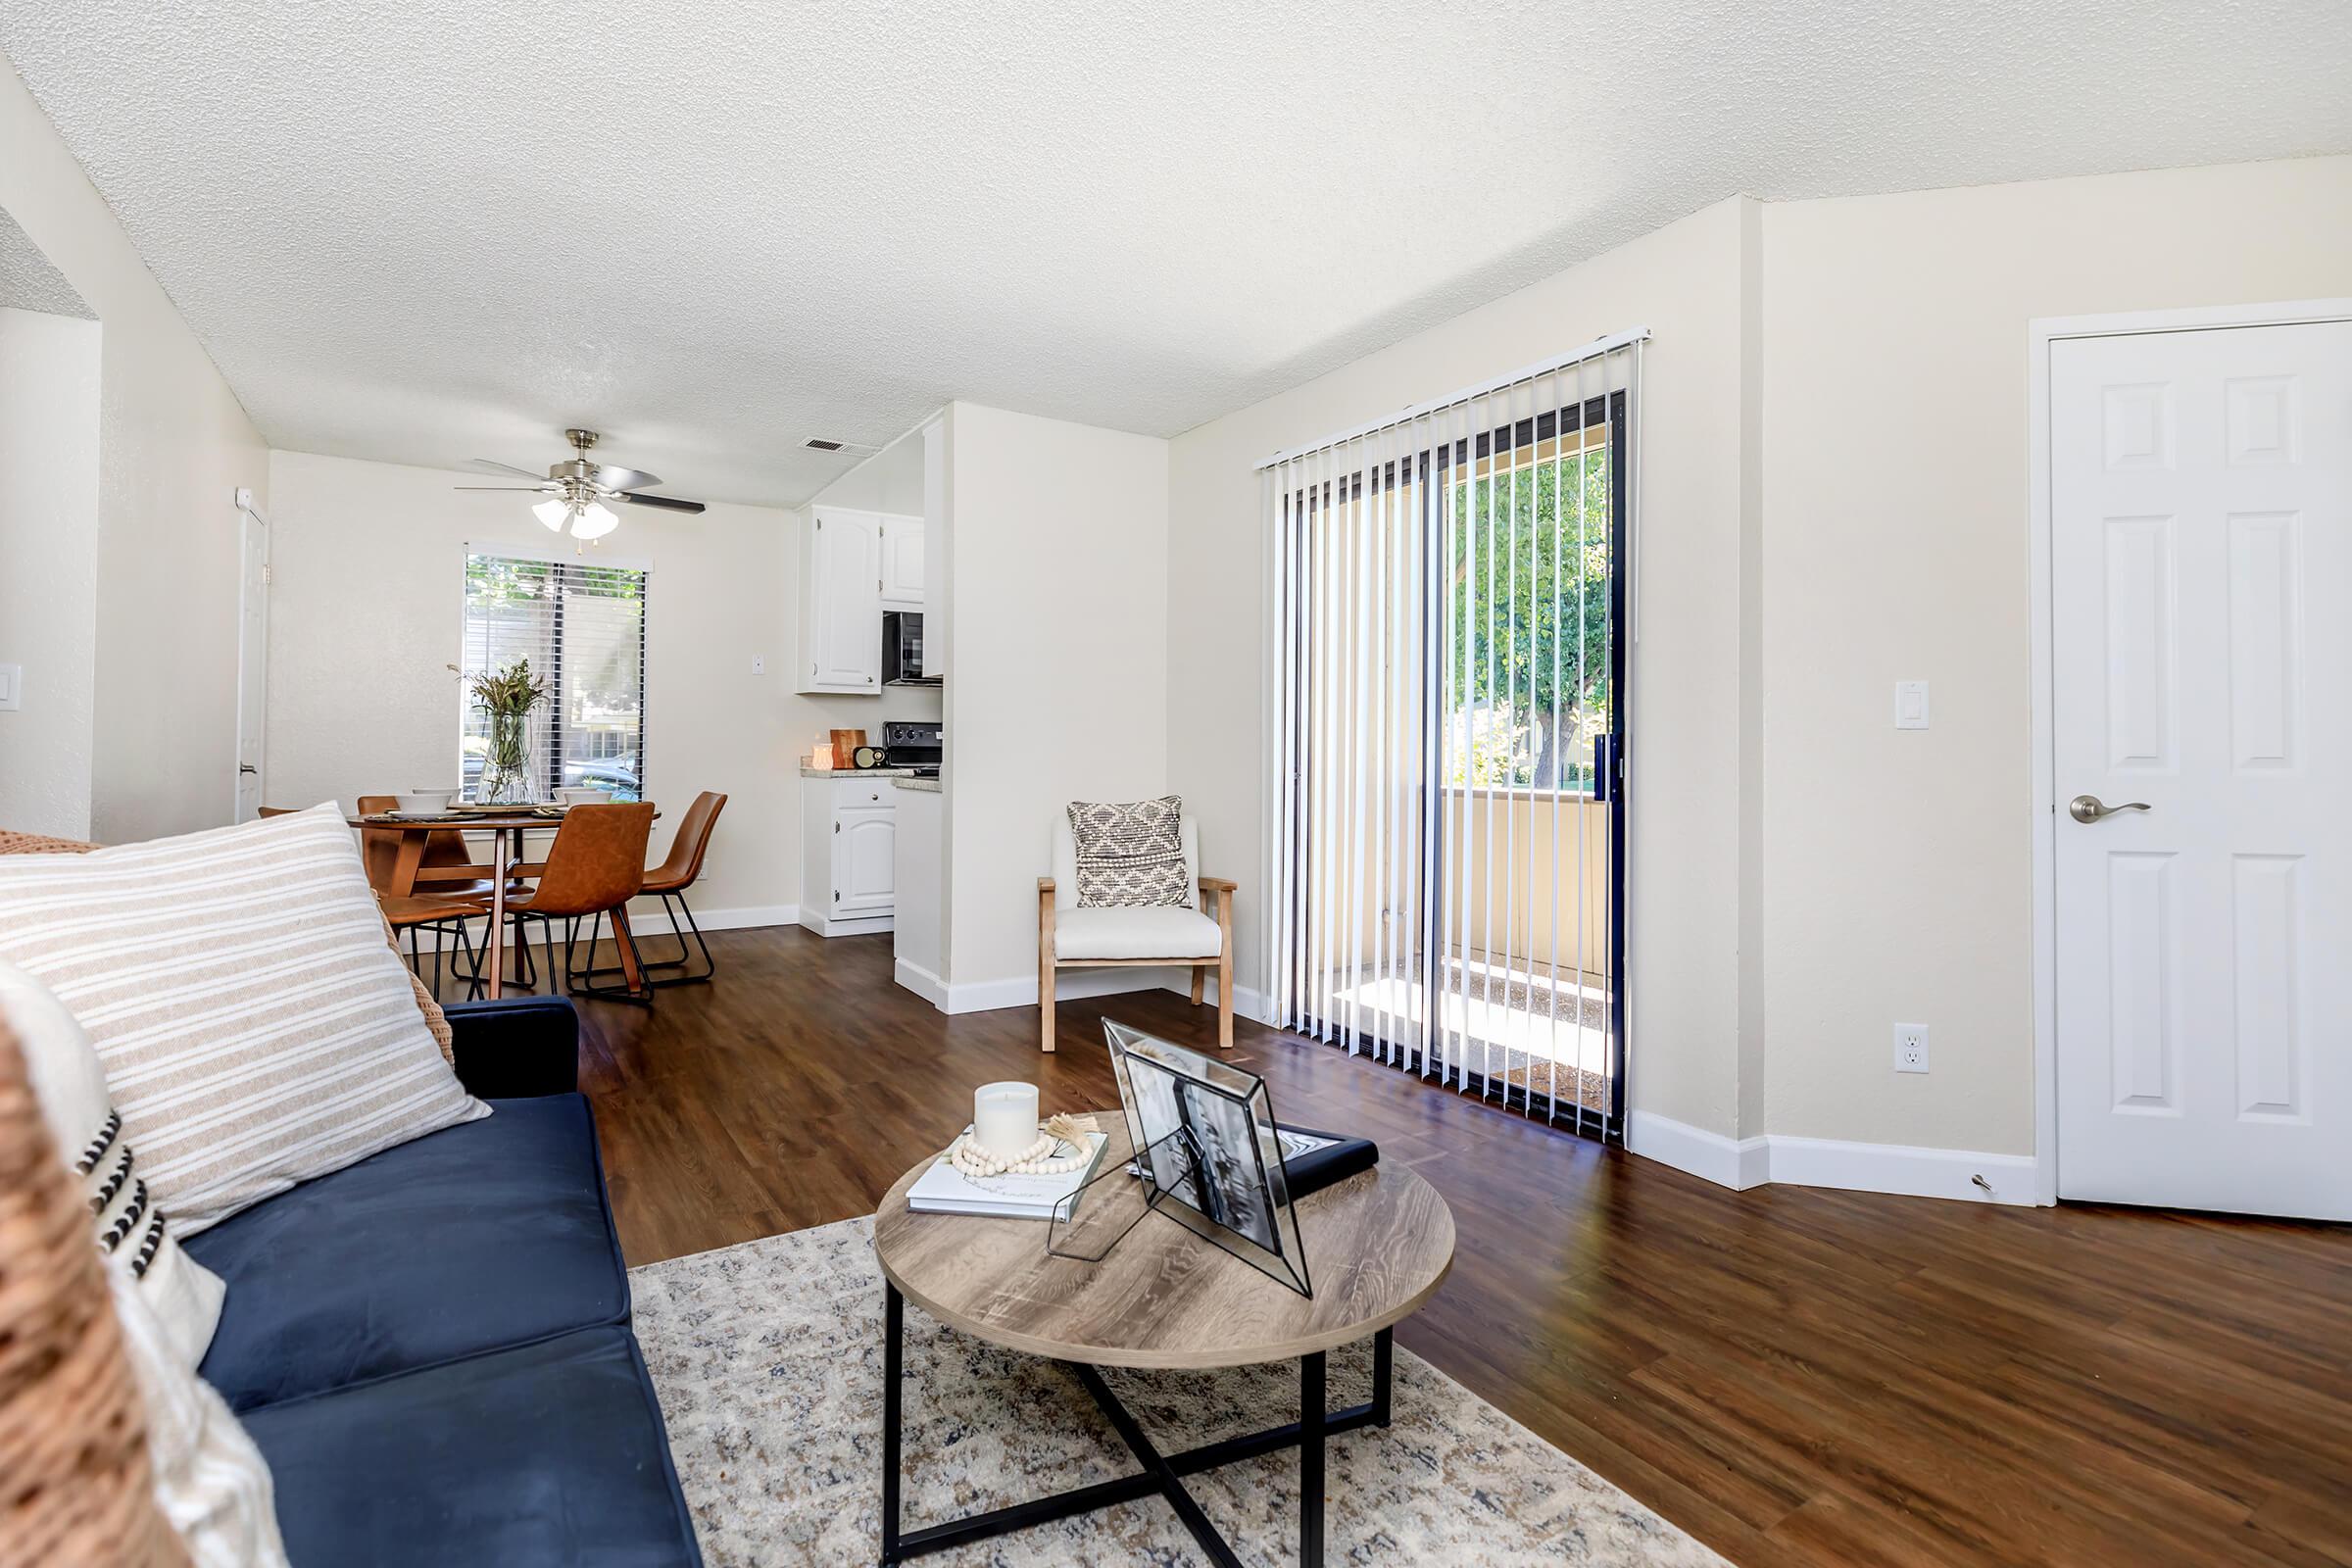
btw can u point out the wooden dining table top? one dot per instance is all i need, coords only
(524, 817)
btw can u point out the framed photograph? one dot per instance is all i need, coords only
(1208, 1152)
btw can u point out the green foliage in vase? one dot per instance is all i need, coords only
(508, 693)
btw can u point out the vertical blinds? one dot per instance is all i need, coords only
(582, 628)
(1447, 831)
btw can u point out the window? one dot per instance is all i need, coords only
(1528, 686)
(582, 628)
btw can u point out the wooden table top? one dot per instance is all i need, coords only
(487, 822)
(1378, 1246)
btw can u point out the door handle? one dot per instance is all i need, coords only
(2090, 808)
(247, 768)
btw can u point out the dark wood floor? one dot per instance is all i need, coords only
(1797, 1377)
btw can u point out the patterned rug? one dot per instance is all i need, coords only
(769, 1361)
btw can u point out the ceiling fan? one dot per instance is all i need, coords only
(577, 489)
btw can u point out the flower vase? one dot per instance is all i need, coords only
(506, 763)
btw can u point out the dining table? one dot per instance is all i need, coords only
(411, 876)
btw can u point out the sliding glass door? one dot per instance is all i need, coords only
(1450, 654)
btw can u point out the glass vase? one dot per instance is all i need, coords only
(506, 763)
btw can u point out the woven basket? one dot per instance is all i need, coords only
(75, 1481)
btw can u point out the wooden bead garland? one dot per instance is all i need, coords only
(971, 1159)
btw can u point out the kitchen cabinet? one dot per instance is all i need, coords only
(849, 854)
(903, 544)
(840, 602)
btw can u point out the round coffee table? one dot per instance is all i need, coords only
(1378, 1246)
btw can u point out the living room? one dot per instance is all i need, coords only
(1697, 644)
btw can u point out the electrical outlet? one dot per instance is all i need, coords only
(1910, 1048)
(758, 663)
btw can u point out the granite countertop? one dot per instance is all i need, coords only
(929, 786)
(856, 772)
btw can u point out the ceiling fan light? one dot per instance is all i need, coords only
(552, 511)
(595, 520)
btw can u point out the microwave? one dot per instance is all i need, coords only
(902, 649)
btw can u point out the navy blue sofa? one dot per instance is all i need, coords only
(433, 1347)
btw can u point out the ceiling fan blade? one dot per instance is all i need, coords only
(508, 489)
(666, 503)
(608, 477)
(505, 468)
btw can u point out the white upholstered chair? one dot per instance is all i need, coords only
(1071, 937)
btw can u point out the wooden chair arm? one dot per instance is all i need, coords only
(1218, 884)
(1045, 884)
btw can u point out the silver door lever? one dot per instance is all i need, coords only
(2090, 808)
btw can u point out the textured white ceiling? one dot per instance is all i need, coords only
(425, 229)
(27, 282)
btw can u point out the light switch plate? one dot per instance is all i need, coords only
(11, 688)
(758, 663)
(1910, 705)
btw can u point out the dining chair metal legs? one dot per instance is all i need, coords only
(684, 961)
(442, 931)
(585, 980)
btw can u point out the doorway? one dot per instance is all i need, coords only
(2197, 861)
(1450, 654)
(252, 653)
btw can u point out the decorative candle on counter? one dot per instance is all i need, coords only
(822, 757)
(1005, 1117)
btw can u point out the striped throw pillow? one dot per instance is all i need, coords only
(256, 1031)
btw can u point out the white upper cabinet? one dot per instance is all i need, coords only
(902, 563)
(840, 602)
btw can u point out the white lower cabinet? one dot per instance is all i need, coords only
(848, 854)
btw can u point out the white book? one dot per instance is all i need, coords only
(945, 1190)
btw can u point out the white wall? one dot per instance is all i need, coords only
(365, 610)
(1691, 282)
(48, 567)
(1898, 873)
(173, 446)
(1057, 563)
(1835, 482)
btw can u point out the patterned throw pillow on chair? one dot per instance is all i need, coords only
(1130, 857)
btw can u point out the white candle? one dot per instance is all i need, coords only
(1005, 1118)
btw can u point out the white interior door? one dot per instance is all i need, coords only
(2201, 599)
(253, 659)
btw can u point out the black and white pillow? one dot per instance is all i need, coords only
(1130, 857)
(185, 1296)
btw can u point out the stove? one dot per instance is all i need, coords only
(915, 745)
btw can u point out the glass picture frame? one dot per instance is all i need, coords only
(1207, 1151)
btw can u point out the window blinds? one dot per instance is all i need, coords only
(1448, 676)
(582, 628)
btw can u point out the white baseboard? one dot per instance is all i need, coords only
(1020, 991)
(827, 925)
(1904, 1168)
(1726, 1163)
(651, 924)
(1897, 1168)
(922, 982)
(1247, 1002)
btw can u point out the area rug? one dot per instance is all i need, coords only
(769, 1361)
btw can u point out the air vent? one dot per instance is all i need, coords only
(824, 446)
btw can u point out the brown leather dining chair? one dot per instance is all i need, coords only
(593, 869)
(442, 907)
(668, 882)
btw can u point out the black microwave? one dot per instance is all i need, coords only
(902, 649)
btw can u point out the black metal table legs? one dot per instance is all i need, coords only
(1162, 1475)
